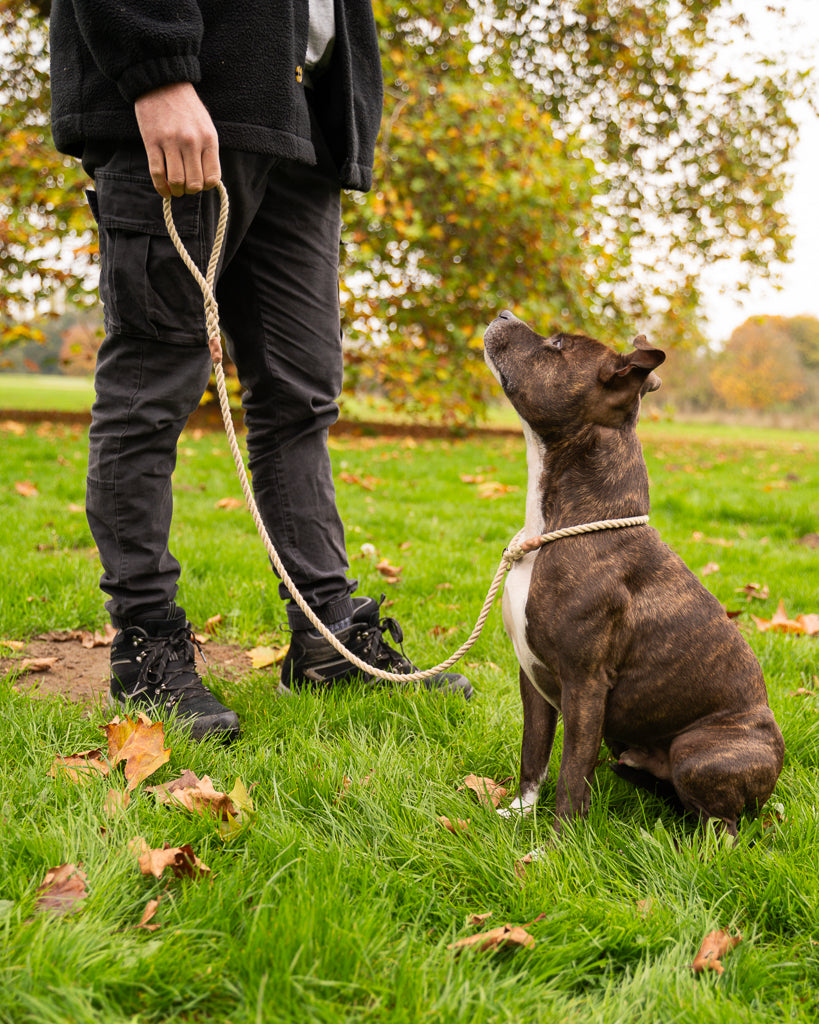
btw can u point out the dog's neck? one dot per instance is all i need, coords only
(598, 474)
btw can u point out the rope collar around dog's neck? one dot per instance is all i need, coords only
(515, 551)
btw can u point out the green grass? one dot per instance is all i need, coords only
(45, 392)
(332, 908)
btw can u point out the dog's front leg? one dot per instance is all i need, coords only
(583, 709)
(539, 724)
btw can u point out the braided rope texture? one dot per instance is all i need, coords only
(513, 553)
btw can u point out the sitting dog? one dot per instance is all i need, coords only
(610, 628)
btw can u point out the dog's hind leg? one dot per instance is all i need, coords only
(722, 768)
(539, 725)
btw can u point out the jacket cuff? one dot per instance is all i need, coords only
(141, 78)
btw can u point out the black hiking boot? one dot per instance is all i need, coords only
(153, 666)
(312, 663)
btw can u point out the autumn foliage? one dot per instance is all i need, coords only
(580, 163)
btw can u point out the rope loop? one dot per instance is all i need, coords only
(511, 554)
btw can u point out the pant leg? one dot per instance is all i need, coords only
(278, 302)
(151, 371)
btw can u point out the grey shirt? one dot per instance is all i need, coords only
(321, 34)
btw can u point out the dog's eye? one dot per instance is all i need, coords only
(556, 343)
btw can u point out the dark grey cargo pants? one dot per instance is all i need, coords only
(278, 301)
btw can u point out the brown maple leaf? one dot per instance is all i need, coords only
(488, 792)
(191, 793)
(459, 824)
(780, 623)
(26, 488)
(391, 573)
(368, 483)
(61, 890)
(79, 767)
(97, 639)
(37, 664)
(151, 908)
(262, 657)
(199, 796)
(139, 743)
(714, 946)
(181, 860)
(506, 935)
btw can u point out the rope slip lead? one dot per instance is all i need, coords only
(515, 551)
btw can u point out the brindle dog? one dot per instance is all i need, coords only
(611, 629)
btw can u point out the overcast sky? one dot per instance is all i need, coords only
(800, 278)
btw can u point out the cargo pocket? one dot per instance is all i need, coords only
(146, 289)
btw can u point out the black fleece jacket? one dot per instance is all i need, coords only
(245, 59)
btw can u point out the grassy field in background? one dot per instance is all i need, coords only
(45, 392)
(339, 900)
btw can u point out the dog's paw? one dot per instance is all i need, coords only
(520, 806)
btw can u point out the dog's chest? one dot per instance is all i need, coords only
(519, 578)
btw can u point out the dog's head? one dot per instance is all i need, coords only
(568, 381)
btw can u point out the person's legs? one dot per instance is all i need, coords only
(278, 301)
(151, 372)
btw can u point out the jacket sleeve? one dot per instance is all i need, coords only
(142, 44)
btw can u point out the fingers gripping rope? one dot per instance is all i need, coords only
(514, 552)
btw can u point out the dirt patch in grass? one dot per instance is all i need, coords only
(81, 673)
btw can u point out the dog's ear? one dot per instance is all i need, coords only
(640, 363)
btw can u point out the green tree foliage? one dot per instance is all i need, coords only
(46, 245)
(580, 161)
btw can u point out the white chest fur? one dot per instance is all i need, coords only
(516, 587)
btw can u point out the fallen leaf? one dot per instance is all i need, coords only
(26, 488)
(389, 572)
(13, 427)
(229, 503)
(479, 479)
(810, 540)
(506, 935)
(151, 908)
(369, 483)
(61, 890)
(79, 767)
(139, 743)
(37, 664)
(709, 569)
(14, 645)
(488, 792)
(193, 794)
(74, 507)
(714, 946)
(754, 590)
(459, 826)
(181, 860)
(645, 907)
(476, 919)
(261, 657)
(520, 865)
(213, 623)
(719, 541)
(97, 639)
(780, 623)
(493, 489)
